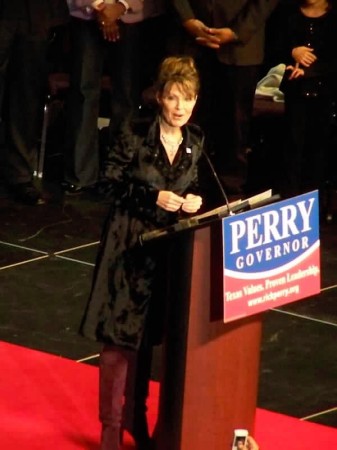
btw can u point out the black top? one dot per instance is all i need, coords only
(320, 34)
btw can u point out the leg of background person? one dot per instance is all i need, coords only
(153, 51)
(81, 147)
(317, 149)
(7, 33)
(205, 113)
(233, 121)
(291, 159)
(137, 56)
(318, 138)
(331, 161)
(113, 366)
(27, 82)
(125, 74)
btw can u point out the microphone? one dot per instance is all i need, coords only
(218, 182)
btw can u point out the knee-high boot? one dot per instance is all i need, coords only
(112, 378)
(136, 393)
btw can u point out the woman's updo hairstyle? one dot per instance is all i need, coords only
(180, 70)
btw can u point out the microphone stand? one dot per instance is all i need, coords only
(218, 182)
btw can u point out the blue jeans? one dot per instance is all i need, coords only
(81, 146)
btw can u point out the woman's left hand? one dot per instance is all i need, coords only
(296, 72)
(192, 203)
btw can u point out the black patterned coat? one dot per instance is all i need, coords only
(137, 169)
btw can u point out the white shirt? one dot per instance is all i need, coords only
(85, 9)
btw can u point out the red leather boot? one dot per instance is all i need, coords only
(113, 366)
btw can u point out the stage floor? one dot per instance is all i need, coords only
(47, 255)
(51, 402)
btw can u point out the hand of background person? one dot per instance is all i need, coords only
(296, 72)
(222, 35)
(110, 31)
(169, 201)
(110, 13)
(304, 55)
(192, 203)
(201, 33)
(251, 444)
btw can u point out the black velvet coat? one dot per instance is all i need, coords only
(125, 273)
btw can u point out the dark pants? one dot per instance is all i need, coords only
(23, 69)
(131, 64)
(306, 154)
(81, 147)
(225, 111)
(136, 56)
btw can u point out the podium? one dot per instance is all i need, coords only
(266, 256)
(210, 369)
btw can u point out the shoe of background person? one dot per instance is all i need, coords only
(71, 189)
(27, 194)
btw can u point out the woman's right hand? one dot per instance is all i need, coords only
(169, 201)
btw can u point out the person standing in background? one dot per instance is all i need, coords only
(88, 48)
(118, 35)
(310, 94)
(25, 28)
(227, 40)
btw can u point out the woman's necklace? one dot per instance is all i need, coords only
(171, 145)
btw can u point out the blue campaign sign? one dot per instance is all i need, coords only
(271, 255)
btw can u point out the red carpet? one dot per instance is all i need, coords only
(50, 403)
